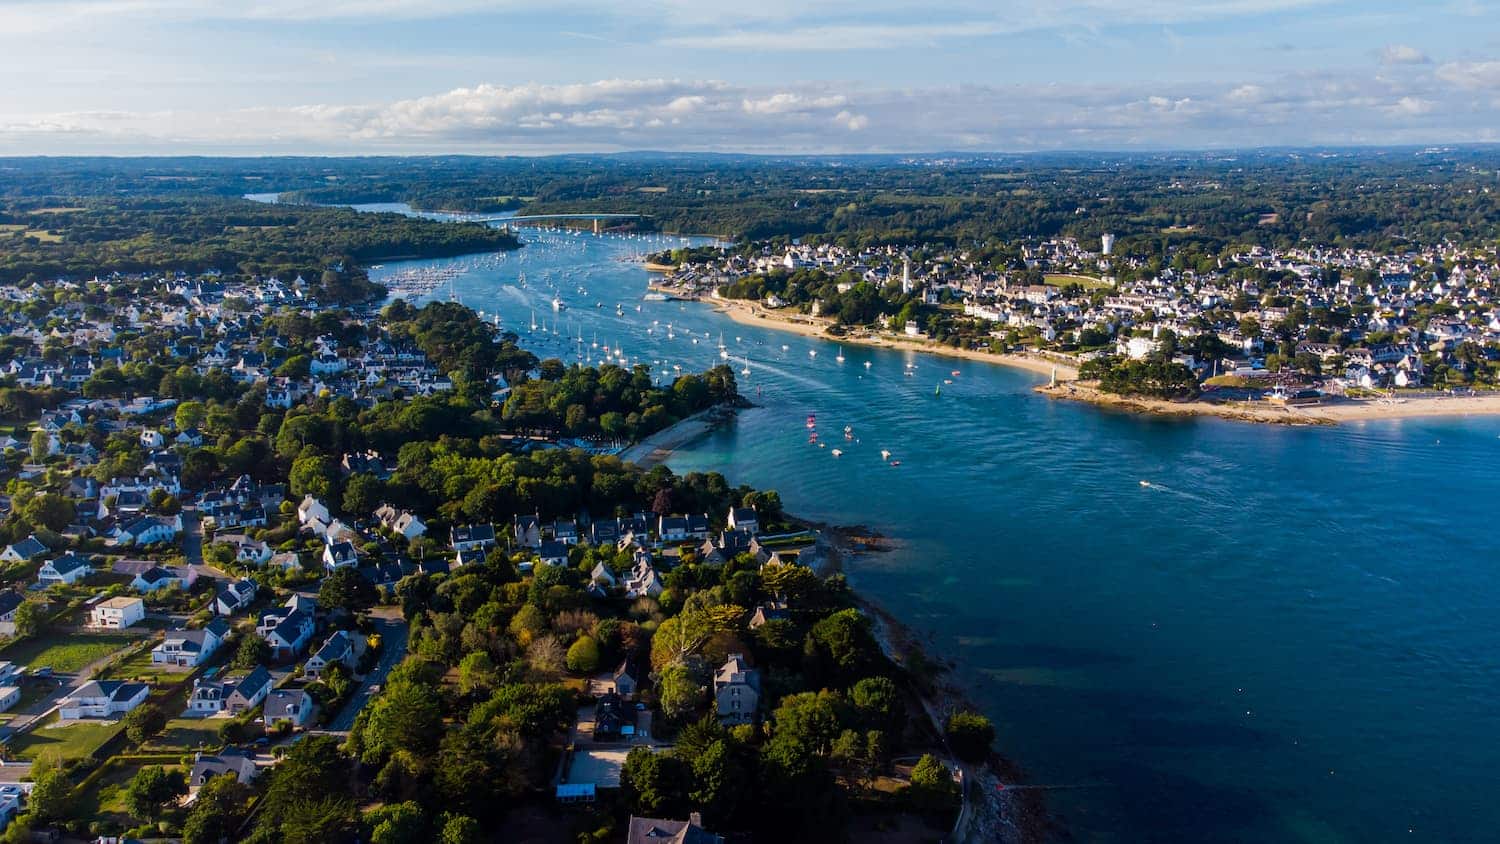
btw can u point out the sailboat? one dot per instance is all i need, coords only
(867, 364)
(557, 304)
(885, 454)
(533, 320)
(840, 357)
(746, 371)
(812, 353)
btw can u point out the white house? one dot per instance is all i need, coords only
(152, 438)
(745, 519)
(162, 577)
(10, 601)
(287, 627)
(236, 596)
(403, 522)
(338, 649)
(69, 568)
(117, 613)
(149, 529)
(294, 706)
(26, 549)
(337, 555)
(190, 648)
(312, 510)
(102, 699)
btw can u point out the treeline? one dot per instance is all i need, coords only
(1156, 376)
(88, 237)
(859, 304)
(611, 400)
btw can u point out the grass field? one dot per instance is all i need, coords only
(104, 799)
(66, 655)
(44, 236)
(1063, 280)
(74, 741)
(188, 734)
(140, 667)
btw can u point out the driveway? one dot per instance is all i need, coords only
(392, 630)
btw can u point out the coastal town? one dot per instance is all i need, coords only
(258, 548)
(1329, 332)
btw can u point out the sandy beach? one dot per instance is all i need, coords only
(1332, 411)
(747, 313)
(655, 449)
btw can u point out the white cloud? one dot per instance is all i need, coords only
(1393, 54)
(1471, 75)
(617, 114)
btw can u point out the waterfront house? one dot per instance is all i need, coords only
(736, 691)
(744, 519)
(117, 613)
(102, 699)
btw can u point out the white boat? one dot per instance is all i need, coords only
(533, 320)
(867, 364)
(840, 357)
(746, 371)
(812, 353)
(838, 453)
(557, 304)
(885, 454)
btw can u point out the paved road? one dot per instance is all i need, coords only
(392, 629)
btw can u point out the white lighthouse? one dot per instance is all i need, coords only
(906, 275)
(1106, 240)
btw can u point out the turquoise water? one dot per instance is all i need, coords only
(1290, 635)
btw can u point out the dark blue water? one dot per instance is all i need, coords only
(1290, 635)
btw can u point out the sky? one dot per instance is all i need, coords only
(126, 77)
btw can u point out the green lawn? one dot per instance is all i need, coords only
(1063, 280)
(74, 741)
(140, 668)
(66, 654)
(104, 799)
(188, 734)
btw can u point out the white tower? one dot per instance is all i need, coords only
(905, 275)
(1108, 242)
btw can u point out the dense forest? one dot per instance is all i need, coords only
(1379, 198)
(46, 238)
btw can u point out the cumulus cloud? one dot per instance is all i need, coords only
(1394, 54)
(661, 113)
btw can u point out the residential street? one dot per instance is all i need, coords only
(393, 631)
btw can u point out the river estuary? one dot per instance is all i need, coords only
(1290, 634)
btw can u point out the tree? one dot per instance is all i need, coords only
(932, 784)
(41, 446)
(677, 691)
(144, 721)
(719, 782)
(401, 823)
(362, 494)
(312, 475)
(29, 618)
(252, 651)
(190, 414)
(345, 589)
(51, 793)
(970, 735)
(879, 704)
(654, 784)
(476, 673)
(217, 811)
(152, 788)
(407, 716)
(841, 646)
(48, 510)
(460, 829)
(583, 656)
(307, 795)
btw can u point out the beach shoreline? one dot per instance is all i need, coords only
(1331, 411)
(657, 448)
(746, 313)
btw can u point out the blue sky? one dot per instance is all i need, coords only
(398, 76)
